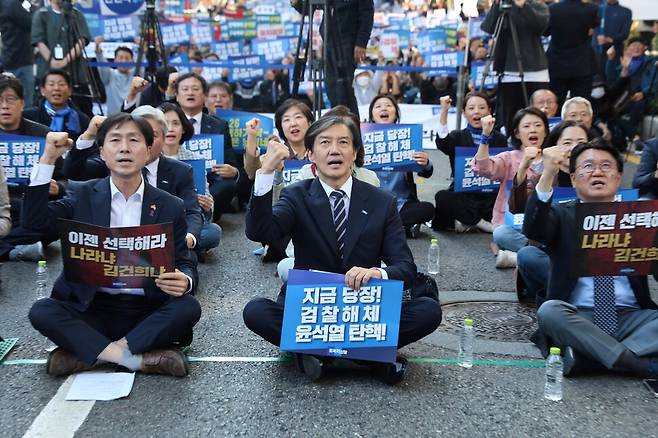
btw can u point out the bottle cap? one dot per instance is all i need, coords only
(41, 263)
(468, 322)
(555, 350)
(435, 240)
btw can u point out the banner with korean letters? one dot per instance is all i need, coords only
(18, 154)
(391, 146)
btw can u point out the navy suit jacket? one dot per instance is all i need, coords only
(90, 202)
(174, 177)
(374, 229)
(644, 178)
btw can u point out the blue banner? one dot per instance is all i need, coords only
(446, 62)
(175, 34)
(291, 169)
(120, 28)
(477, 72)
(237, 125)
(391, 146)
(553, 122)
(324, 317)
(202, 33)
(465, 179)
(226, 49)
(18, 154)
(199, 171)
(272, 50)
(239, 28)
(180, 58)
(238, 74)
(560, 195)
(431, 40)
(209, 147)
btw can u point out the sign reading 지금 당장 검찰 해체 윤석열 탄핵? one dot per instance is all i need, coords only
(616, 238)
(322, 316)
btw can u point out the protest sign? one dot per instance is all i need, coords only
(123, 257)
(389, 45)
(291, 169)
(428, 41)
(119, 28)
(202, 33)
(199, 172)
(18, 154)
(477, 72)
(391, 146)
(616, 238)
(237, 125)
(465, 179)
(182, 58)
(272, 50)
(553, 122)
(209, 147)
(226, 49)
(240, 28)
(175, 33)
(238, 74)
(324, 317)
(446, 62)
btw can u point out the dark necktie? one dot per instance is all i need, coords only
(193, 122)
(340, 219)
(605, 311)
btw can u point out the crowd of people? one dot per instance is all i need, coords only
(335, 215)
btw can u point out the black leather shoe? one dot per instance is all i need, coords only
(575, 364)
(569, 363)
(394, 373)
(312, 366)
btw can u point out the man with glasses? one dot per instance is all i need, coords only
(622, 336)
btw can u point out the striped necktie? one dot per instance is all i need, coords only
(340, 219)
(605, 311)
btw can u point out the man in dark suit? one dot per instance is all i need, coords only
(646, 175)
(609, 320)
(134, 328)
(56, 110)
(191, 92)
(571, 60)
(373, 233)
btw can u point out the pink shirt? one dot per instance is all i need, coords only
(503, 168)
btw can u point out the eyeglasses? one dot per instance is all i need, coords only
(588, 167)
(9, 100)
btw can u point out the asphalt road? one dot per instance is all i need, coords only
(258, 398)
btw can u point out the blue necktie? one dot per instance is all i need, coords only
(340, 219)
(605, 310)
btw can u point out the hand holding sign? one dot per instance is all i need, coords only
(57, 143)
(225, 170)
(92, 129)
(206, 202)
(173, 283)
(421, 158)
(276, 154)
(357, 276)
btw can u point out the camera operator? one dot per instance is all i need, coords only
(530, 18)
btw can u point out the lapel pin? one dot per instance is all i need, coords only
(152, 210)
(364, 212)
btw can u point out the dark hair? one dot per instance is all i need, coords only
(391, 99)
(213, 55)
(343, 111)
(12, 83)
(516, 121)
(223, 85)
(479, 94)
(119, 119)
(635, 40)
(162, 76)
(198, 77)
(57, 72)
(124, 49)
(326, 122)
(598, 144)
(188, 129)
(285, 106)
(558, 129)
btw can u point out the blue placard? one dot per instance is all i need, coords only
(202, 33)
(291, 169)
(431, 40)
(324, 317)
(391, 146)
(120, 28)
(477, 71)
(209, 147)
(553, 122)
(465, 179)
(175, 33)
(18, 154)
(180, 58)
(199, 171)
(272, 50)
(560, 195)
(238, 74)
(237, 125)
(446, 62)
(239, 28)
(226, 49)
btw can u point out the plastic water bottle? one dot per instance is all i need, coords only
(42, 280)
(553, 387)
(433, 257)
(466, 342)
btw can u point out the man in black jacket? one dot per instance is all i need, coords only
(610, 320)
(571, 61)
(15, 27)
(347, 36)
(646, 175)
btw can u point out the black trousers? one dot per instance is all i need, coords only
(112, 317)
(339, 85)
(580, 86)
(419, 317)
(466, 207)
(416, 212)
(222, 191)
(21, 236)
(511, 100)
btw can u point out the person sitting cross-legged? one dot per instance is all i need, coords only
(603, 320)
(135, 328)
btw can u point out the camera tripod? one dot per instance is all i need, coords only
(86, 89)
(150, 44)
(305, 56)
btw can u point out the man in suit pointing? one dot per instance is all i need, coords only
(134, 328)
(338, 224)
